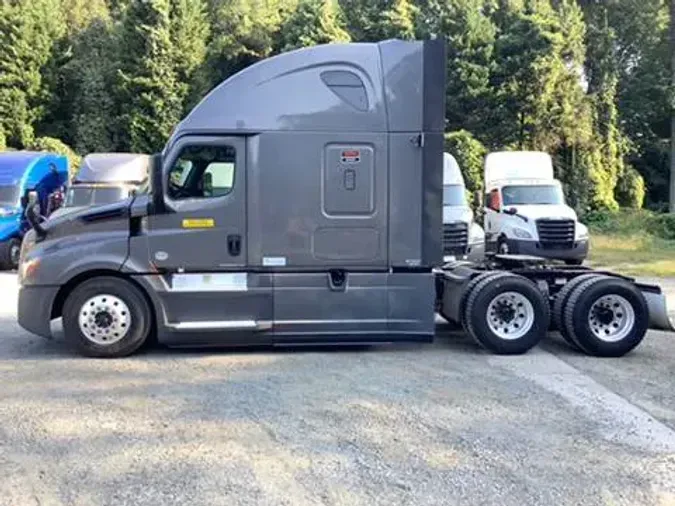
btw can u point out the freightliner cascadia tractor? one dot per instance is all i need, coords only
(301, 202)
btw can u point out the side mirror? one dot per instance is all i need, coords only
(29, 199)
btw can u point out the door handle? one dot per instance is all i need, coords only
(234, 245)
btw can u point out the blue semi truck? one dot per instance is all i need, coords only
(22, 171)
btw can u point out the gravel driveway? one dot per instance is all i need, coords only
(438, 424)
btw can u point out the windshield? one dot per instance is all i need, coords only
(88, 196)
(9, 196)
(532, 195)
(453, 195)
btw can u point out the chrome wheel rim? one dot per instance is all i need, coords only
(611, 318)
(104, 319)
(510, 315)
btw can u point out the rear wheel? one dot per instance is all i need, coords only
(467, 292)
(507, 314)
(561, 302)
(106, 317)
(10, 251)
(606, 317)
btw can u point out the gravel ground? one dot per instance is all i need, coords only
(438, 424)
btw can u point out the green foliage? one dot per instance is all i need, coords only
(154, 72)
(469, 154)
(470, 37)
(28, 29)
(374, 20)
(313, 22)
(587, 81)
(244, 32)
(630, 190)
(56, 146)
(631, 222)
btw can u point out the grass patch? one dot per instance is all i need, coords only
(637, 254)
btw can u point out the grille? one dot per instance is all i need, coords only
(555, 234)
(455, 238)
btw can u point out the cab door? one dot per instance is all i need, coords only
(204, 226)
(198, 246)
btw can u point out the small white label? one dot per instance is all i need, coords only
(216, 282)
(274, 261)
(161, 256)
(413, 263)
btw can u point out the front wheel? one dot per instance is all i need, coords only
(574, 261)
(507, 314)
(10, 251)
(106, 317)
(503, 246)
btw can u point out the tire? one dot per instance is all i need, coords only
(514, 293)
(467, 292)
(502, 245)
(621, 316)
(560, 303)
(116, 302)
(9, 254)
(574, 261)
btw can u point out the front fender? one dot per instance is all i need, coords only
(55, 262)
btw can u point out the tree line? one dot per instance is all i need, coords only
(586, 80)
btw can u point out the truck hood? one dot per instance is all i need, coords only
(61, 211)
(457, 213)
(91, 219)
(534, 212)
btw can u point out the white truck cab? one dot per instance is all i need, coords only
(525, 209)
(463, 238)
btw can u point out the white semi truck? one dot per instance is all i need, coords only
(525, 209)
(463, 238)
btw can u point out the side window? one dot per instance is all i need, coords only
(202, 171)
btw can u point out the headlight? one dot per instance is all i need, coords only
(27, 269)
(583, 232)
(521, 233)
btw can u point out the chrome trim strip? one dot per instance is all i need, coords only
(220, 325)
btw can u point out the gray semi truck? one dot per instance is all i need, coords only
(300, 202)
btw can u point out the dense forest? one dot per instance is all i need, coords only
(586, 80)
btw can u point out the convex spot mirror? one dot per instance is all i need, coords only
(30, 198)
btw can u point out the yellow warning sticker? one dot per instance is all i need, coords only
(199, 223)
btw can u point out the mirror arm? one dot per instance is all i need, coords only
(34, 222)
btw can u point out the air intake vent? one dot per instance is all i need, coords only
(555, 234)
(455, 238)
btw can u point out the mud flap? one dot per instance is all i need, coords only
(659, 318)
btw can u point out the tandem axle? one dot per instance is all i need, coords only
(508, 303)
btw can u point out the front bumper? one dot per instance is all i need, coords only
(34, 312)
(578, 251)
